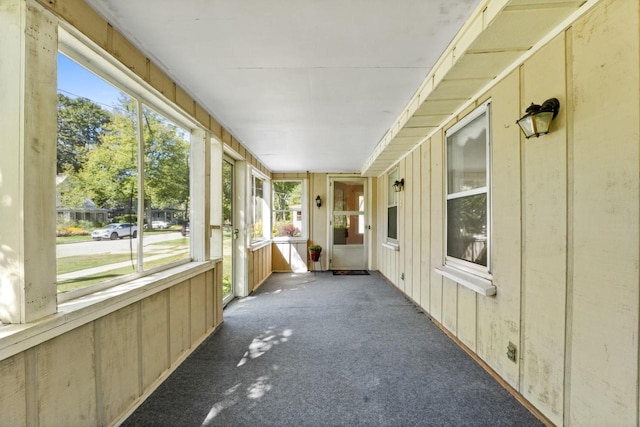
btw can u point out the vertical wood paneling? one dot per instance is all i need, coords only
(12, 391)
(398, 266)
(198, 307)
(117, 340)
(544, 196)
(450, 305)
(381, 229)
(66, 379)
(210, 305)
(499, 316)
(416, 195)
(603, 377)
(218, 288)
(437, 224)
(179, 319)
(425, 230)
(155, 337)
(407, 225)
(466, 317)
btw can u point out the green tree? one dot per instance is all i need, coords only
(166, 161)
(108, 173)
(227, 192)
(109, 176)
(81, 122)
(285, 194)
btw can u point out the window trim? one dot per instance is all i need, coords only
(390, 240)
(451, 264)
(266, 213)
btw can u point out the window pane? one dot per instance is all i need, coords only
(391, 194)
(467, 156)
(257, 226)
(392, 222)
(287, 209)
(227, 227)
(97, 179)
(166, 189)
(467, 228)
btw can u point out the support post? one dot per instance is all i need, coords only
(29, 46)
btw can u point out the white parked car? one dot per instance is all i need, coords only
(115, 231)
(159, 225)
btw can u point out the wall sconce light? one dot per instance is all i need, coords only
(318, 201)
(398, 185)
(537, 118)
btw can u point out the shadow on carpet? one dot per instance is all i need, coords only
(350, 272)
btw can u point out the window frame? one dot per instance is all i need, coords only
(266, 209)
(451, 261)
(103, 65)
(304, 227)
(392, 176)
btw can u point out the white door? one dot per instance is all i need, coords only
(347, 235)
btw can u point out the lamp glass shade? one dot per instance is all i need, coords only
(538, 118)
(543, 122)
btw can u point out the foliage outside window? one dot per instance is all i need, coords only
(392, 207)
(259, 223)
(105, 136)
(468, 192)
(289, 210)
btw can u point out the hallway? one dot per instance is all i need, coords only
(318, 349)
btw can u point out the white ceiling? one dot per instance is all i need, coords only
(305, 85)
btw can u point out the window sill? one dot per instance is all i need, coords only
(477, 284)
(77, 312)
(289, 239)
(392, 246)
(259, 245)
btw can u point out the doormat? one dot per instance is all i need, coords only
(350, 272)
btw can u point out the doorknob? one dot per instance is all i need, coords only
(235, 233)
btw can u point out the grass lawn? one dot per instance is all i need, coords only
(72, 239)
(227, 245)
(76, 263)
(178, 249)
(167, 251)
(81, 282)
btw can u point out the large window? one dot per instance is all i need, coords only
(289, 209)
(122, 188)
(467, 206)
(259, 209)
(392, 207)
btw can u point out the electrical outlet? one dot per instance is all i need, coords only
(512, 351)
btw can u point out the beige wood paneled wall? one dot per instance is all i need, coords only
(95, 373)
(260, 266)
(565, 227)
(290, 256)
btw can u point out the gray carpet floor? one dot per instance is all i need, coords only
(325, 350)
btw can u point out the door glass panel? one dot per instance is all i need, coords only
(227, 229)
(348, 229)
